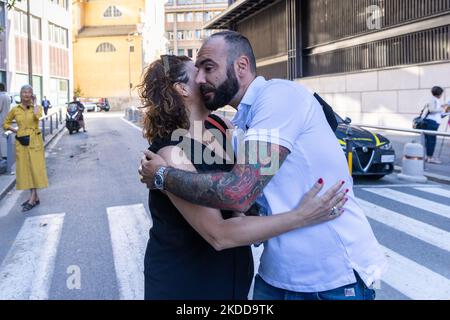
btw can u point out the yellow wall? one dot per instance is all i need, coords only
(105, 74)
(129, 9)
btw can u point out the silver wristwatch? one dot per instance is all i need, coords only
(159, 178)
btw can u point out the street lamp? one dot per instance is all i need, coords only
(129, 40)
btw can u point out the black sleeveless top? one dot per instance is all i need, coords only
(179, 263)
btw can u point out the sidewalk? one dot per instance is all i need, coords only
(434, 172)
(8, 180)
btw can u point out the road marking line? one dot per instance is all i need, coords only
(420, 203)
(9, 202)
(413, 279)
(27, 270)
(129, 227)
(131, 124)
(422, 231)
(436, 191)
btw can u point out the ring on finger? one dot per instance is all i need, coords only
(334, 211)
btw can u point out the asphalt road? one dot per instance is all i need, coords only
(86, 238)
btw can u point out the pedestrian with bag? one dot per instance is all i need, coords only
(434, 114)
(31, 173)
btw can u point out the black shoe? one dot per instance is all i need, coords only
(25, 203)
(28, 207)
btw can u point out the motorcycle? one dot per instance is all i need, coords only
(72, 116)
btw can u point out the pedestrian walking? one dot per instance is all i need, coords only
(5, 104)
(46, 105)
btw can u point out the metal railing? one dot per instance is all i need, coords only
(55, 118)
(422, 133)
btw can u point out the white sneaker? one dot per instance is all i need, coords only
(434, 161)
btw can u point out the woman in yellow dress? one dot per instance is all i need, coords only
(31, 173)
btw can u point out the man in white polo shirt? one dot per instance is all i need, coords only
(334, 260)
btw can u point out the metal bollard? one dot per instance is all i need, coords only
(43, 129)
(413, 163)
(10, 152)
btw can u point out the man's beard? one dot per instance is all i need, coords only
(223, 94)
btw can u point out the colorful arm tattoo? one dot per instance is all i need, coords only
(235, 190)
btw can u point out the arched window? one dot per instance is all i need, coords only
(106, 47)
(112, 12)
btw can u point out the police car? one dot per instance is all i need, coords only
(373, 155)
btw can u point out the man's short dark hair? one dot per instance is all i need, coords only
(437, 91)
(2, 87)
(238, 45)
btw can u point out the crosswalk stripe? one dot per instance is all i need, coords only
(129, 226)
(420, 203)
(414, 280)
(436, 191)
(425, 232)
(27, 270)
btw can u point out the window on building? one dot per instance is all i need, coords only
(171, 51)
(180, 52)
(131, 48)
(198, 34)
(180, 17)
(2, 15)
(105, 47)
(209, 15)
(36, 28)
(169, 17)
(169, 3)
(199, 16)
(58, 36)
(189, 35)
(180, 35)
(3, 78)
(190, 53)
(112, 12)
(189, 16)
(170, 35)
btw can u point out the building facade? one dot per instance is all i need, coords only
(372, 60)
(51, 53)
(107, 48)
(184, 22)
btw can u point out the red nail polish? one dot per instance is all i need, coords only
(320, 181)
(347, 190)
(342, 182)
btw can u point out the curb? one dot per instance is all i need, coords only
(431, 176)
(10, 186)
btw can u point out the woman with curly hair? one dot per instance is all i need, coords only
(196, 252)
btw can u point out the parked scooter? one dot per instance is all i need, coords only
(72, 115)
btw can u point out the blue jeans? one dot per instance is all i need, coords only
(355, 291)
(430, 141)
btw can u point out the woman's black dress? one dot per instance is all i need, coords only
(180, 264)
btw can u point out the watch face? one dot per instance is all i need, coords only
(158, 181)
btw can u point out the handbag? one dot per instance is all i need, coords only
(420, 122)
(24, 140)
